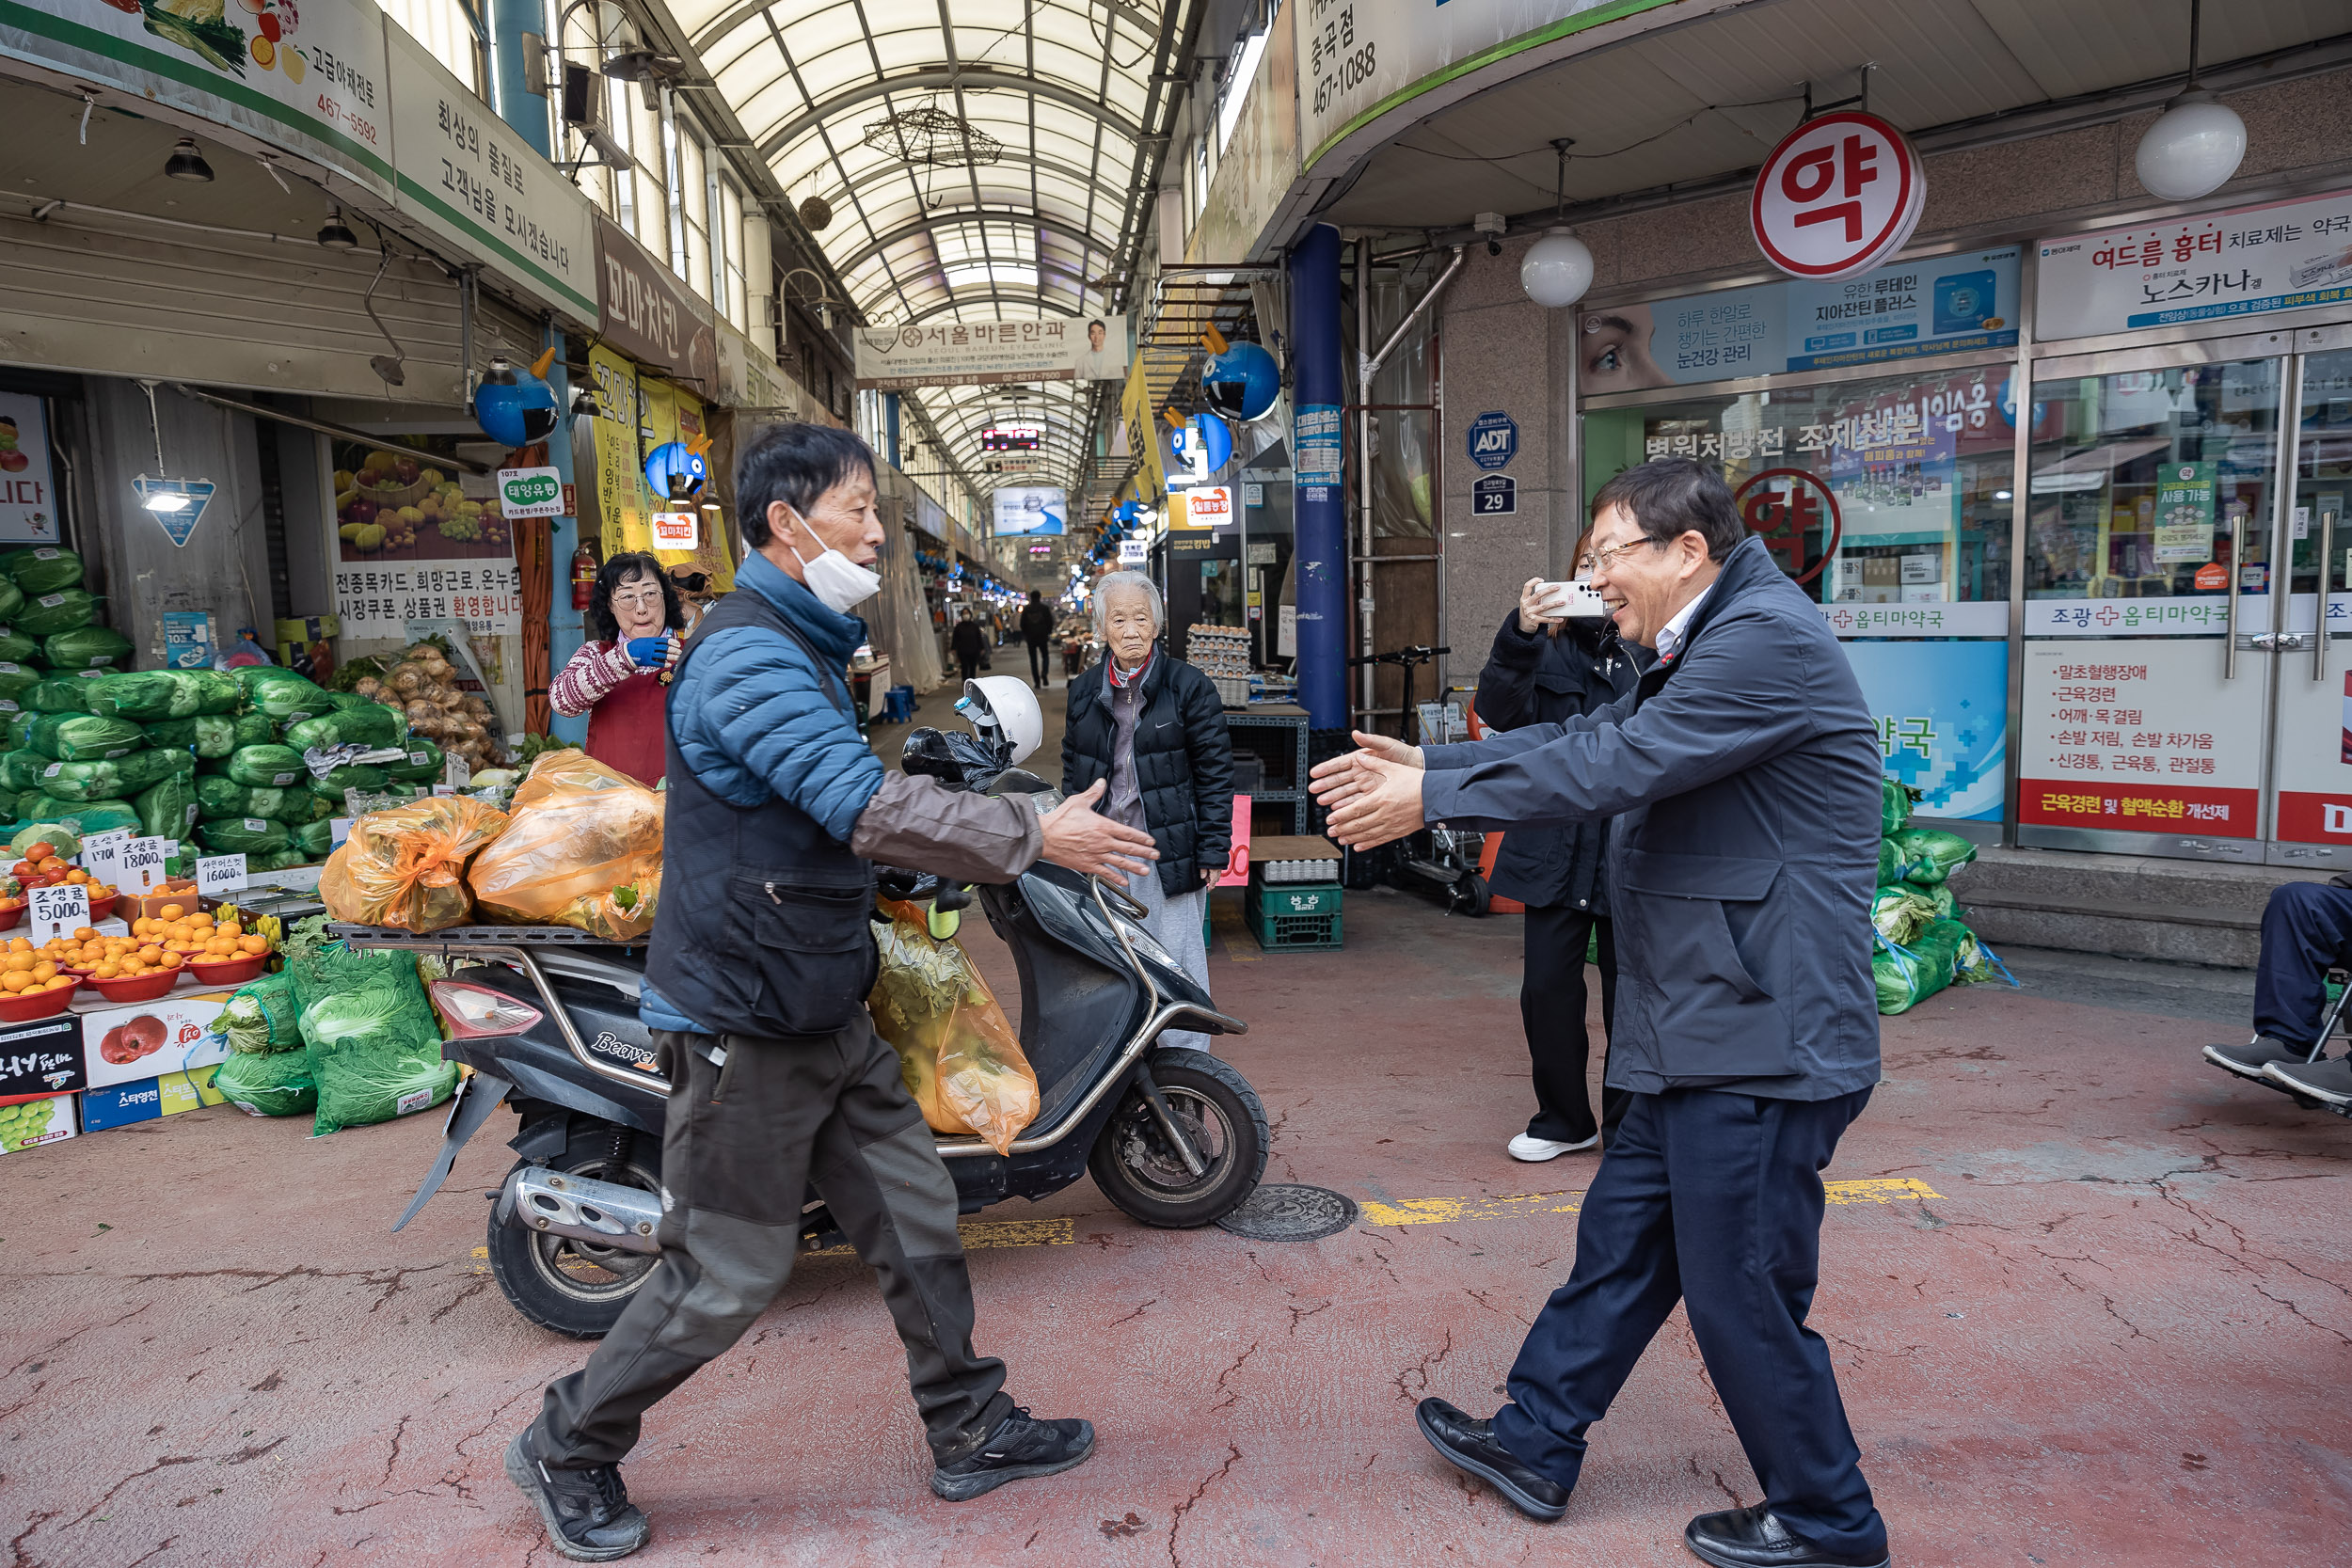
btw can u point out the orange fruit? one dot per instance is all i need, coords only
(171, 911)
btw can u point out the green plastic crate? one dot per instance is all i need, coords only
(1289, 898)
(1294, 917)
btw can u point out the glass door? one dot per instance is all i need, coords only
(2149, 654)
(2311, 814)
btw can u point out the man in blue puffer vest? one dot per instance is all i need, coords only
(756, 988)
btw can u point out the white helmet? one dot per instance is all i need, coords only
(1006, 704)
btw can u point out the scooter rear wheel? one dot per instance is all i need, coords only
(1140, 1171)
(573, 1287)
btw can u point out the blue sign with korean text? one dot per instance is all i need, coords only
(1942, 712)
(1494, 440)
(1911, 310)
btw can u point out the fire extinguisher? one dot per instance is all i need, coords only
(583, 577)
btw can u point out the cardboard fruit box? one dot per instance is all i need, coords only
(145, 1040)
(149, 1099)
(29, 1123)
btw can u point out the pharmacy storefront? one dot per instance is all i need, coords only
(2122, 654)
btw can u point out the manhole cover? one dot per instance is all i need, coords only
(1286, 1214)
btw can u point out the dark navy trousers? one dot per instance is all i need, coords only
(1715, 1200)
(2307, 927)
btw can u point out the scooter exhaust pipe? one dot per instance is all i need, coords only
(552, 1203)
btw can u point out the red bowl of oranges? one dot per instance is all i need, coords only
(39, 1002)
(36, 977)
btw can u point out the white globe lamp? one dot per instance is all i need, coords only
(1557, 270)
(2192, 148)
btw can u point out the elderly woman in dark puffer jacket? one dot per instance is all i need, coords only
(1151, 724)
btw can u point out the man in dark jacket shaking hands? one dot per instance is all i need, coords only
(1744, 771)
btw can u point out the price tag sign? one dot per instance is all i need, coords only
(142, 864)
(102, 855)
(341, 827)
(219, 874)
(57, 910)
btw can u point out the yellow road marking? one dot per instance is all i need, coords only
(1448, 1211)
(978, 1234)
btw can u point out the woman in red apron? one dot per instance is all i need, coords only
(621, 675)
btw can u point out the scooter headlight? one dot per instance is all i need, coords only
(1149, 945)
(477, 1012)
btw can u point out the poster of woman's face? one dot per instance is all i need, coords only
(1613, 345)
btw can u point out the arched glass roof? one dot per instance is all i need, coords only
(1059, 90)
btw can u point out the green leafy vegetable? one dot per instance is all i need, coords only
(47, 614)
(84, 738)
(87, 648)
(269, 1085)
(276, 767)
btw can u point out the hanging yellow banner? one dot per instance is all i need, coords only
(643, 413)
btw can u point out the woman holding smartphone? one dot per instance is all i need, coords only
(1547, 668)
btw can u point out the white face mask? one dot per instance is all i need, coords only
(840, 583)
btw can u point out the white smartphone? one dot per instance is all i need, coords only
(1574, 601)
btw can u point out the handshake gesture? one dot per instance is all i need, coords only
(1373, 792)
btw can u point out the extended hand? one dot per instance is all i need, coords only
(649, 653)
(1081, 839)
(1338, 780)
(1380, 801)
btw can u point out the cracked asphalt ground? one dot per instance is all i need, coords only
(2119, 1333)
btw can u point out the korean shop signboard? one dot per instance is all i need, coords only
(1359, 58)
(1839, 194)
(469, 180)
(1931, 305)
(313, 81)
(2241, 261)
(985, 354)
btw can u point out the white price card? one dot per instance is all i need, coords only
(57, 912)
(342, 828)
(143, 865)
(219, 874)
(102, 855)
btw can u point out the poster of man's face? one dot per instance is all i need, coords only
(1104, 355)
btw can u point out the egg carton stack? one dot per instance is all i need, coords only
(1222, 654)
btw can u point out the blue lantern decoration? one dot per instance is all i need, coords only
(673, 459)
(1242, 382)
(515, 407)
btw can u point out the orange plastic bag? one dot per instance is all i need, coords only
(959, 1057)
(584, 849)
(405, 867)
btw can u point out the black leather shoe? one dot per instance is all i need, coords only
(1469, 1444)
(1752, 1538)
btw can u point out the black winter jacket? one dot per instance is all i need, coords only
(1540, 679)
(1183, 762)
(1037, 623)
(967, 640)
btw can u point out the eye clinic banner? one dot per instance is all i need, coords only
(988, 354)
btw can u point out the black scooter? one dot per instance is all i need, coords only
(1447, 857)
(547, 1021)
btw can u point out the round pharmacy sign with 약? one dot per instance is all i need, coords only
(1797, 513)
(1838, 196)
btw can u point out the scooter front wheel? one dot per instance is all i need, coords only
(1141, 1172)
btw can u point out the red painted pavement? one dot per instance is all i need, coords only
(2121, 1336)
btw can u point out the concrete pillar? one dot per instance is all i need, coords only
(1318, 396)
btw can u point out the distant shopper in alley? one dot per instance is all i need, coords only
(1547, 669)
(754, 990)
(969, 644)
(1743, 772)
(1153, 726)
(1036, 630)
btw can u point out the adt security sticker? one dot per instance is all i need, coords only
(1494, 440)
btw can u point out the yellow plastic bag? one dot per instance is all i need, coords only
(961, 1059)
(584, 849)
(405, 867)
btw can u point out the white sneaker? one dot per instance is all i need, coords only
(1535, 1150)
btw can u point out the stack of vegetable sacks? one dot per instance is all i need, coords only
(267, 1072)
(48, 625)
(1921, 946)
(255, 793)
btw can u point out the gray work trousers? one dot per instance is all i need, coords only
(741, 1144)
